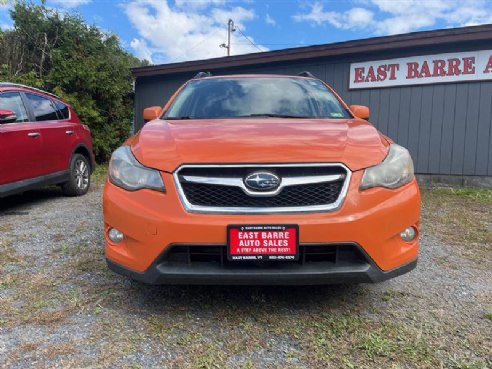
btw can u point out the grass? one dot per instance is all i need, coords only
(100, 173)
(375, 344)
(461, 363)
(461, 217)
(8, 253)
(481, 195)
(322, 327)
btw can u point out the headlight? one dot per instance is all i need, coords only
(126, 172)
(395, 171)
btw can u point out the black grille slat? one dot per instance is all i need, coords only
(292, 196)
(335, 254)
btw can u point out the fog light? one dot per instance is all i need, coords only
(408, 234)
(115, 235)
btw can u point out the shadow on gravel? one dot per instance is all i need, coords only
(21, 204)
(241, 299)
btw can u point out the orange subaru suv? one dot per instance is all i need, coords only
(260, 179)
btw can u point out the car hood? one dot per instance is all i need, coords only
(165, 145)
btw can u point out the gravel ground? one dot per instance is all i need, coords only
(61, 308)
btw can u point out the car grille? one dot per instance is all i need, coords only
(335, 254)
(223, 196)
(303, 188)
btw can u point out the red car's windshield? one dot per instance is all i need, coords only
(237, 97)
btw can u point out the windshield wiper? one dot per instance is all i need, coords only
(179, 118)
(268, 115)
(275, 116)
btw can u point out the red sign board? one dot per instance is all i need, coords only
(263, 242)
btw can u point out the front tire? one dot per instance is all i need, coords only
(80, 177)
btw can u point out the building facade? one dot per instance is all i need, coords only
(429, 91)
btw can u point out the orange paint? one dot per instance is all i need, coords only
(152, 221)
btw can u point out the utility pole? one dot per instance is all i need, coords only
(230, 29)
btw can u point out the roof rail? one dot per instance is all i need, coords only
(10, 84)
(305, 74)
(203, 75)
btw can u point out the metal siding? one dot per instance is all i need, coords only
(447, 134)
(447, 127)
(414, 117)
(484, 130)
(155, 91)
(459, 128)
(394, 113)
(490, 150)
(374, 96)
(471, 129)
(436, 129)
(404, 118)
(338, 80)
(425, 125)
(384, 104)
(364, 98)
(330, 75)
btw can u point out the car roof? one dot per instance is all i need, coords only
(17, 86)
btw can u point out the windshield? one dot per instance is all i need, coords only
(256, 97)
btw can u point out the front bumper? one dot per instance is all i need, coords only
(290, 273)
(152, 222)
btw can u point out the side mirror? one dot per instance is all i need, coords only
(151, 113)
(360, 111)
(7, 116)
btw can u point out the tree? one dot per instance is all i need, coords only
(85, 66)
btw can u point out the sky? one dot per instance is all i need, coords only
(168, 31)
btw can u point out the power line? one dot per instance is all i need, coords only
(247, 38)
(203, 39)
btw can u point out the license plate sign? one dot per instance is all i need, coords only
(263, 242)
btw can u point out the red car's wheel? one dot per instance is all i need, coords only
(80, 177)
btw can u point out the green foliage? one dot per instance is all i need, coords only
(87, 67)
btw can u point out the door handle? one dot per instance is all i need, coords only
(34, 134)
(69, 132)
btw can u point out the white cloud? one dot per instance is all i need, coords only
(68, 4)
(178, 32)
(5, 6)
(383, 17)
(269, 20)
(355, 18)
(198, 3)
(238, 14)
(142, 50)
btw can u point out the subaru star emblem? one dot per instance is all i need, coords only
(262, 181)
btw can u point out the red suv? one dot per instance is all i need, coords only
(42, 142)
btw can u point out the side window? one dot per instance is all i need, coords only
(62, 110)
(13, 101)
(42, 107)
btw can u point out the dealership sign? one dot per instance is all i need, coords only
(425, 69)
